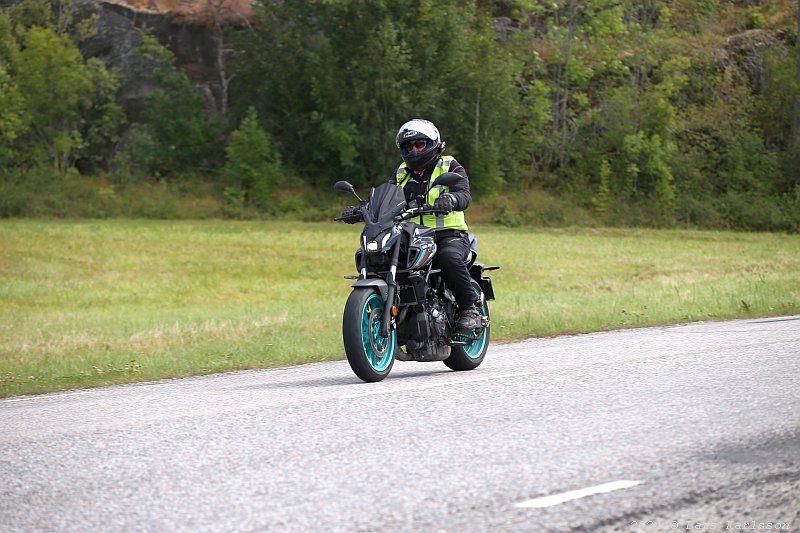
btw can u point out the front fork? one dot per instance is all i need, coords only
(391, 281)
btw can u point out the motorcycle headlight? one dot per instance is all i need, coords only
(372, 246)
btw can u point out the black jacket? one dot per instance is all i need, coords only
(418, 184)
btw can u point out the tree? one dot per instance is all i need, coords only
(600, 200)
(217, 16)
(174, 135)
(102, 120)
(334, 80)
(566, 52)
(796, 121)
(58, 88)
(13, 122)
(65, 101)
(253, 167)
(12, 116)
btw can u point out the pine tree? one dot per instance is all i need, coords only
(253, 168)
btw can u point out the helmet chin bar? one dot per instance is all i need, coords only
(422, 160)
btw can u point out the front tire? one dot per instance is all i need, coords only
(370, 356)
(469, 356)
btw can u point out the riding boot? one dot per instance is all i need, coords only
(469, 318)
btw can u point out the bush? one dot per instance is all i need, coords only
(40, 192)
(253, 166)
(754, 20)
(639, 212)
(699, 212)
(535, 207)
(752, 212)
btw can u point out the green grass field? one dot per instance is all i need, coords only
(88, 303)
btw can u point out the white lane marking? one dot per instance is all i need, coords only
(557, 499)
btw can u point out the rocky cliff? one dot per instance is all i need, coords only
(119, 32)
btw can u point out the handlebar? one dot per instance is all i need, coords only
(411, 213)
(418, 211)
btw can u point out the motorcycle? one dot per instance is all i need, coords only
(400, 307)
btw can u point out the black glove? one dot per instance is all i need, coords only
(445, 202)
(352, 214)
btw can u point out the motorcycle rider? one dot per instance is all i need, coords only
(421, 148)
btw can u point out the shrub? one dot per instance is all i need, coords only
(535, 207)
(700, 212)
(252, 166)
(753, 212)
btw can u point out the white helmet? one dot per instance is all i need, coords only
(419, 130)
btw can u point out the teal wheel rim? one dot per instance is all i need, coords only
(378, 350)
(474, 347)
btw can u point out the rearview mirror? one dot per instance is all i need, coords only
(448, 179)
(344, 186)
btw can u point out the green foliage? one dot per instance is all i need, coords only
(600, 200)
(754, 19)
(175, 136)
(20, 192)
(57, 106)
(756, 212)
(566, 55)
(42, 192)
(138, 157)
(650, 112)
(647, 170)
(777, 128)
(58, 88)
(252, 167)
(12, 116)
(749, 167)
(334, 88)
(31, 13)
(102, 119)
(51, 74)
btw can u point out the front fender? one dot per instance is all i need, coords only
(381, 285)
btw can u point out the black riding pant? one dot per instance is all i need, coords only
(451, 257)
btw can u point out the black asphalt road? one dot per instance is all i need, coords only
(694, 426)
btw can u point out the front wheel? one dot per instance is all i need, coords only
(370, 356)
(468, 356)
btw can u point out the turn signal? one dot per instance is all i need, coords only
(394, 310)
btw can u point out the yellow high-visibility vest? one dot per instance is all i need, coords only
(453, 220)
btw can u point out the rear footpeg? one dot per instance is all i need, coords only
(462, 338)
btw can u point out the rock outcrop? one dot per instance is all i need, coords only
(119, 32)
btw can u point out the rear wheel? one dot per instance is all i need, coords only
(370, 356)
(468, 356)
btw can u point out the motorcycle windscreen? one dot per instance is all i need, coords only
(385, 202)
